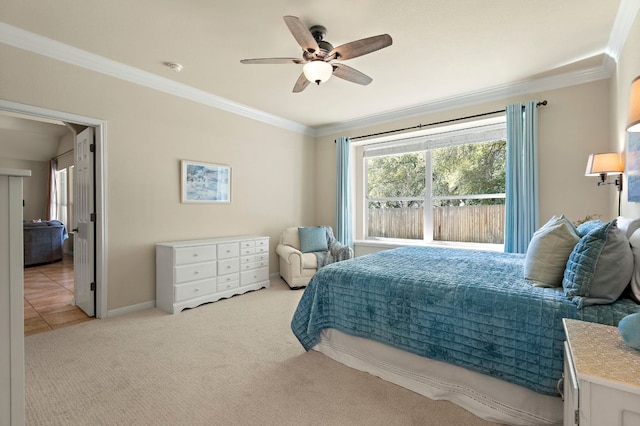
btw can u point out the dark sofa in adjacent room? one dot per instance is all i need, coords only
(43, 241)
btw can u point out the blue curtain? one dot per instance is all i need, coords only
(344, 228)
(521, 215)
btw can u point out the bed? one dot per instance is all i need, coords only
(455, 324)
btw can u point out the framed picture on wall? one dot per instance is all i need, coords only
(633, 167)
(205, 182)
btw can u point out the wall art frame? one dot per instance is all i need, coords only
(632, 168)
(205, 182)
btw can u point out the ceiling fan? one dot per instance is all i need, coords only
(319, 56)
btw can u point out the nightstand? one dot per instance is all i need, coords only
(601, 377)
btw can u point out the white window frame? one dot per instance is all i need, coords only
(476, 131)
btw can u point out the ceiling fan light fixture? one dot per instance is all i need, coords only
(317, 71)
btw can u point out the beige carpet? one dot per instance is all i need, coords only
(232, 362)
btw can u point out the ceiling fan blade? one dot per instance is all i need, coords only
(361, 47)
(301, 84)
(350, 74)
(302, 34)
(273, 61)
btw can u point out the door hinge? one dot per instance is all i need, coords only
(92, 147)
(93, 286)
(576, 419)
(92, 217)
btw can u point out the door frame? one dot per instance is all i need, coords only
(100, 127)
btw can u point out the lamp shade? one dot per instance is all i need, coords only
(317, 71)
(633, 124)
(608, 162)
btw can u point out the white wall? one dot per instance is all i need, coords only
(34, 188)
(574, 124)
(628, 68)
(148, 133)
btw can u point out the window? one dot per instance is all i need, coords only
(457, 173)
(64, 191)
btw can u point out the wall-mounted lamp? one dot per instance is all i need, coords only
(633, 124)
(603, 164)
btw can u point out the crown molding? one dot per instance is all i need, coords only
(44, 46)
(622, 25)
(492, 94)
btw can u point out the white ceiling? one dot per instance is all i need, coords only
(442, 49)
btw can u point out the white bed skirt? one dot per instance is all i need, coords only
(487, 397)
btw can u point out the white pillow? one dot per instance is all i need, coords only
(549, 251)
(634, 240)
(628, 225)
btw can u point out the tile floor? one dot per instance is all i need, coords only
(48, 297)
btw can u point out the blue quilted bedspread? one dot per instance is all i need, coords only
(469, 308)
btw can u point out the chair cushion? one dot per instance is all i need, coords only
(309, 261)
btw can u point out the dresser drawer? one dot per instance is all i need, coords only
(262, 244)
(228, 266)
(228, 278)
(254, 276)
(255, 265)
(248, 243)
(198, 271)
(185, 255)
(195, 289)
(254, 258)
(228, 250)
(248, 251)
(227, 285)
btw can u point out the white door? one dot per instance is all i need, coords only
(84, 247)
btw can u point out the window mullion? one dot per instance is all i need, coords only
(428, 202)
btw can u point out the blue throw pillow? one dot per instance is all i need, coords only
(313, 239)
(599, 267)
(584, 228)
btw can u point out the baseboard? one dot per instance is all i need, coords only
(129, 309)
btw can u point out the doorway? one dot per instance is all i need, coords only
(49, 297)
(97, 285)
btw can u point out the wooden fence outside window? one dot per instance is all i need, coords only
(476, 224)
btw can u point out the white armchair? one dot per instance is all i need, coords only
(296, 267)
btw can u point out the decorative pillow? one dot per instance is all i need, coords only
(584, 228)
(313, 239)
(634, 240)
(599, 267)
(627, 225)
(549, 251)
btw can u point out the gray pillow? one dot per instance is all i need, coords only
(599, 267)
(549, 251)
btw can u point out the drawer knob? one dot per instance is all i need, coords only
(195, 290)
(228, 251)
(195, 254)
(196, 272)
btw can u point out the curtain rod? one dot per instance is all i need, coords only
(420, 126)
(60, 155)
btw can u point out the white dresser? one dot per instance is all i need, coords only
(601, 377)
(190, 273)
